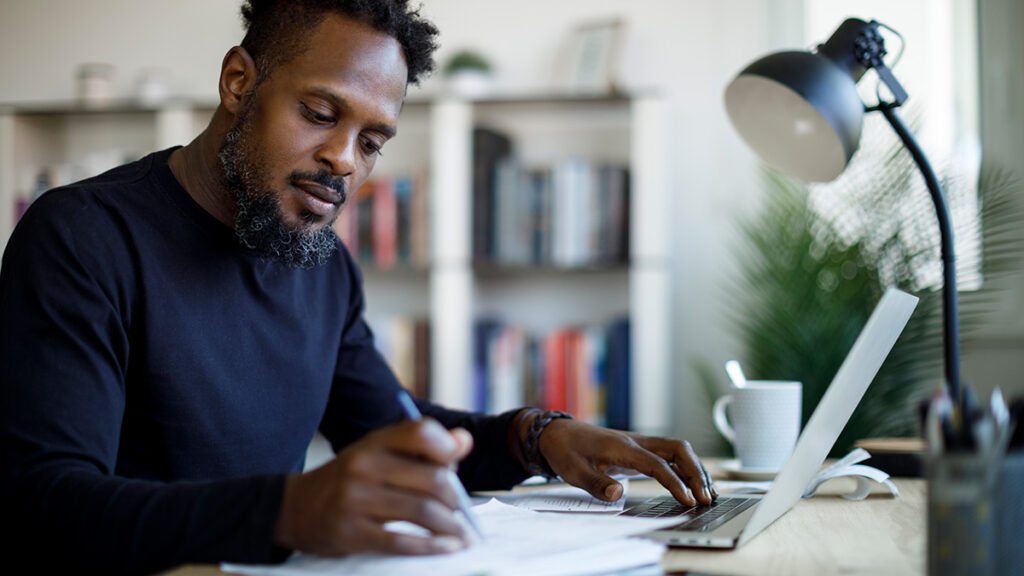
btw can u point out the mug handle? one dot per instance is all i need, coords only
(721, 422)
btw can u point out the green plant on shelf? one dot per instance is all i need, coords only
(466, 59)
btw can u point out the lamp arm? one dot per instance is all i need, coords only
(951, 322)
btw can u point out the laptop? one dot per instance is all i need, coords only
(733, 520)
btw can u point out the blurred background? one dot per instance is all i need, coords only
(567, 217)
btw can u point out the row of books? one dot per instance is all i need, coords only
(405, 344)
(386, 223)
(573, 213)
(581, 370)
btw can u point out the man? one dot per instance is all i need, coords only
(173, 332)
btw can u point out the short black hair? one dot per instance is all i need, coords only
(279, 30)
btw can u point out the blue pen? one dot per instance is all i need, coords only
(465, 504)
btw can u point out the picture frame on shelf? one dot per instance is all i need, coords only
(590, 59)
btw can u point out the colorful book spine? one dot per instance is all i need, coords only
(404, 342)
(555, 356)
(574, 214)
(580, 370)
(384, 224)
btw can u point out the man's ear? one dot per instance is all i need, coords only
(237, 78)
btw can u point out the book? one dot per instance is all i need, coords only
(506, 374)
(421, 359)
(403, 191)
(484, 331)
(555, 356)
(583, 370)
(591, 393)
(402, 353)
(384, 224)
(533, 373)
(511, 215)
(489, 147)
(618, 375)
(404, 342)
(346, 226)
(614, 243)
(419, 223)
(538, 183)
(364, 222)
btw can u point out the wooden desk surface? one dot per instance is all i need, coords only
(827, 535)
(822, 536)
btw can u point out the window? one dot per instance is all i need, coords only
(938, 68)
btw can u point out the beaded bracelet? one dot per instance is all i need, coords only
(536, 463)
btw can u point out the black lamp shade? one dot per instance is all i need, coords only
(799, 111)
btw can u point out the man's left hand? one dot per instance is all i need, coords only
(584, 455)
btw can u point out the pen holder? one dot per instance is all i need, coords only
(1010, 514)
(961, 521)
(975, 510)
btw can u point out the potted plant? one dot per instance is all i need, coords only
(468, 73)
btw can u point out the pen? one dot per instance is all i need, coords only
(933, 426)
(465, 505)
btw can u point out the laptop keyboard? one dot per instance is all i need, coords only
(698, 518)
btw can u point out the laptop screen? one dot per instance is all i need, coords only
(835, 408)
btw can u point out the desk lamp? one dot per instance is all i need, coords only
(800, 112)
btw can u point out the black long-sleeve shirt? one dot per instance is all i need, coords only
(159, 381)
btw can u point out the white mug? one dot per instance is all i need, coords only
(765, 417)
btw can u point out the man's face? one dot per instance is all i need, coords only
(309, 135)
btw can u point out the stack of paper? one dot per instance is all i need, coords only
(519, 541)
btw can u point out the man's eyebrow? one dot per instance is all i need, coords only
(387, 129)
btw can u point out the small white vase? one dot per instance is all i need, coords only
(470, 83)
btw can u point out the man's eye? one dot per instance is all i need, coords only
(315, 116)
(371, 147)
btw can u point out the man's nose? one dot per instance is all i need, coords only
(338, 154)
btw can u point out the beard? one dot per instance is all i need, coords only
(259, 221)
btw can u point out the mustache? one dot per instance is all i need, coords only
(323, 178)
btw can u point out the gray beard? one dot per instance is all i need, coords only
(258, 222)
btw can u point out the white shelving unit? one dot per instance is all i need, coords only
(436, 136)
(629, 130)
(83, 141)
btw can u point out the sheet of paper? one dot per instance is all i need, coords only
(565, 499)
(742, 487)
(519, 541)
(620, 476)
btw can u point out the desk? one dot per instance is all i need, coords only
(825, 535)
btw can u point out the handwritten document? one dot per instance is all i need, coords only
(519, 541)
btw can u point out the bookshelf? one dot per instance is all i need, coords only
(545, 130)
(60, 142)
(450, 288)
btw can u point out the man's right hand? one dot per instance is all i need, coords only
(396, 473)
